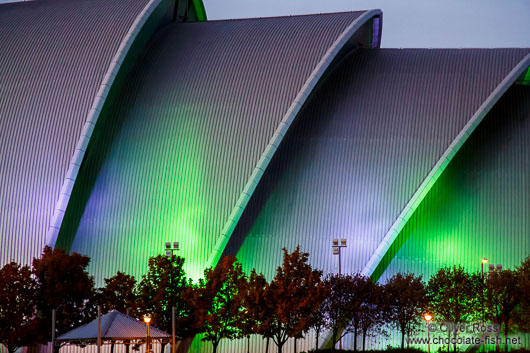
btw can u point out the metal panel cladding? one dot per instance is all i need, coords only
(360, 148)
(54, 55)
(185, 134)
(480, 205)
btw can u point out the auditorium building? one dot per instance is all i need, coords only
(125, 124)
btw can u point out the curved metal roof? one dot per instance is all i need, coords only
(363, 145)
(479, 206)
(55, 57)
(192, 131)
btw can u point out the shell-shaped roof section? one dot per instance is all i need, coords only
(192, 130)
(361, 148)
(54, 58)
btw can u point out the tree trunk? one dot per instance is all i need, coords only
(317, 333)
(248, 344)
(454, 344)
(267, 345)
(334, 339)
(402, 339)
(355, 338)
(11, 349)
(364, 340)
(506, 337)
(112, 348)
(280, 345)
(127, 346)
(215, 344)
(448, 340)
(295, 345)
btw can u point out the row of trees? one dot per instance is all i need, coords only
(229, 304)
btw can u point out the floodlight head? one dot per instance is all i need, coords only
(343, 242)
(176, 244)
(168, 254)
(492, 267)
(428, 317)
(499, 267)
(147, 319)
(336, 251)
(335, 242)
(168, 245)
(484, 261)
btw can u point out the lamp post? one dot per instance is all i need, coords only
(147, 320)
(336, 251)
(169, 254)
(428, 318)
(482, 262)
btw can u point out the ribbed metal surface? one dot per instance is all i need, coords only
(54, 55)
(480, 205)
(186, 132)
(360, 149)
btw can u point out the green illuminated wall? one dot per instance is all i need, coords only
(480, 206)
(182, 138)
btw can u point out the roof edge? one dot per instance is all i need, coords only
(200, 11)
(376, 266)
(93, 115)
(318, 72)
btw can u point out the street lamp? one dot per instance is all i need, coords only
(147, 320)
(336, 251)
(428, 318)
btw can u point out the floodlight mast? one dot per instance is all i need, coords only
(336, 251)
(170, 255)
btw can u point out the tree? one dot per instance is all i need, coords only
(502, 298)
(318, 319)
(294, 293)
(118, 293)
(254, 307)
(406, 299)
(162, 287)
(342, 305)
(219, 301)
(371, 311)
(64, 285)
(523, 279)
(17, 307)
(453, 296)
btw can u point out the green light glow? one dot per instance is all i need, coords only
(479, 206)
(525, 78)
(200, 11)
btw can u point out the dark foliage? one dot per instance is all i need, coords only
(17, 307)
(64, 285)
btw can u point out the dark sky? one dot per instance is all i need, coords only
(410, 23)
